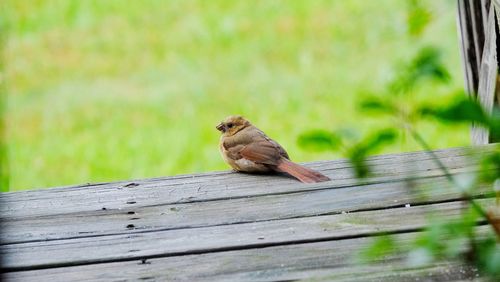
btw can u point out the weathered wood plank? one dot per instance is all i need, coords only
(193, 188)
(136, 219)
(441, 271)
(327, 261)
(227, 237)
(225, 224)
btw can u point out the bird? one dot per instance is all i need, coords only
(248, 149)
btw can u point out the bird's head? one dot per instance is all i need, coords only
(232, 124)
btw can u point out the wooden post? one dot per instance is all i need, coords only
(478, 29)
(472, 15)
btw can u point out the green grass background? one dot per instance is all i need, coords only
(113, 90)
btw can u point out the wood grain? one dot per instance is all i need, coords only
(224, 237)
(219, 185)
(136, 219)
(487, 75)
(472, 21)
(325, 261)
(228, 226)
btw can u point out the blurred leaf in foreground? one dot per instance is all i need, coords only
(378, 105)
(380, 247)
(488, 260)
(490, 166)
(462, 110)
(469, 111)
(494, 125)
(418, 17)
(443, 239)
(358, 153)
(425, 65)
(322, 140)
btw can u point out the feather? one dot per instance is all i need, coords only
(263, 152)
(304, 174)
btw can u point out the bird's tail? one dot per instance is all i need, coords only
(304, 174)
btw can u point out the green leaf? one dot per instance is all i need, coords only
(381, 246)
(488, 256)
(494, 124)
(376, 105)
(490, 166)
(463, 110)
(358, 160)
(319, 140)
(418, 17)
(427, 64)
(358, 153)
(385, 136)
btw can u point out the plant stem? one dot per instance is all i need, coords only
(450, 178)
(428, 149)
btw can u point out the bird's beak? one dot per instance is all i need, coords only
(221, 127)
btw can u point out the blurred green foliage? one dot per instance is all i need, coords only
(443, 238)
(467, 110)
(109, 90)
(353, 147)
(358, 153)
(427, 64)
(382, 245)
(456, 239)
(418, 17)
(425, 68)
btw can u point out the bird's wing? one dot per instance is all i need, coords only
(262, 152)
(252, 144)
(280, 149)
(260, 136)
(233, 152)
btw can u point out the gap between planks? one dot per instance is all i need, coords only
(238, 181)
(309, 260)
(338, 227)
(140, 231)
(205, 214)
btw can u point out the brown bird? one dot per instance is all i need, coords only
(246, 148)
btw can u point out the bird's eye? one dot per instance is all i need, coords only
(229, 125)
